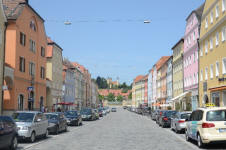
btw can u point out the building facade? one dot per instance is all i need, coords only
(169, 80)
(138, 87)
(154, 87)
(212, 68)
(79, 88)
(94, 97)
(150, 87)
(2, 52)
(68, 100)
(178, 86)
(25, 40)
(191, 56)
(54, 77)
(145, 90)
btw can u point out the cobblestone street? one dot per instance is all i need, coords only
(117, 131)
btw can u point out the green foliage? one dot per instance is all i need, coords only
(169, 108)
(111, 97)
(119, 98)
(101, 97)
(130, 96)
(102, 83)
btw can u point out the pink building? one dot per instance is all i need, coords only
(191, 55)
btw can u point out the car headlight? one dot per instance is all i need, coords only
(25, 128)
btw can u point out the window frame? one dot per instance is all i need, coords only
(224, 66)
(22, 64)
(22, 39)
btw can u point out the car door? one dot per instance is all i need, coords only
(2, 135)
(189, 124)
(173, 121)
(43, 124)
(37, 124)
(194, 123)
(61, 122)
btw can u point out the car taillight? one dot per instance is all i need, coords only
(181, 121)
(208, 125)
(165, 118)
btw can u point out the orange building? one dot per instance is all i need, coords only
(25, 46)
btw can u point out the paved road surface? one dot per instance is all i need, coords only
(122, 130)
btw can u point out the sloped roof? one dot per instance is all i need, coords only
(162, 61)
(14, 8)
(181, 40)
(198, 12)
(138, 78)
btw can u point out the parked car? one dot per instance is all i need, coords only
(104, 112)
(154, 114)
(57, 122)
(31, 124)
(178, 121)
(88, 114)
(73, 117)
(206, 125)
(8, 133)
(124, 107)
(97, 114)
(158, 116)
(113, 109)
(165, 118)
(100, 111)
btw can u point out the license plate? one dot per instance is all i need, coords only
(222, 130)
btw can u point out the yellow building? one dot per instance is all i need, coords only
(138, 91)
(2, 35)
(179, 100)
(54, 74)
(212, 68)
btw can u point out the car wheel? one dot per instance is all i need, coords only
(176, 130)
(199, 142)
(57, 130)
(14, 143)
(46, 134)
(186, 136)
(33, 137)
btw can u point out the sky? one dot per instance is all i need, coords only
(109, 37)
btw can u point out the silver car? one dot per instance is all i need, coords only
(31, 124)
(178, 122)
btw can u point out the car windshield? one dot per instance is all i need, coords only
(23, 117)
(71, 113)
(216, 115)
(169, 113)
(185, 116)
(51, 116)
(86, 111)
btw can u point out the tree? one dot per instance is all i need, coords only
(130, 96)
(98, 81)
(119, 98)
(111, 97)
(101, 97)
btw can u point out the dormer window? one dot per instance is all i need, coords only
(32, 25)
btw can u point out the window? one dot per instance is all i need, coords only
(211, 71)
(201, 51)
(194, 57)
(42, 51)
(22, 64)
(31, 69)
(22, 39)
(217, 11)
(211, 17)
(217, 38)
(197, 77)
(206, 47)
(32, 25)
(206, 25)
(206, 73)
(217, 69)
(42, 73)
(223, 5)
(197, 56)
(194, 79)
(32, 45)
(211, 43)
(201, 75)
(193, 36)
(224, 66)
(223, 33)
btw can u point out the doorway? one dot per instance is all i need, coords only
(20, 102)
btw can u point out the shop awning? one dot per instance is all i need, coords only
(221, 88)
(181, 96)
(156, 104)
